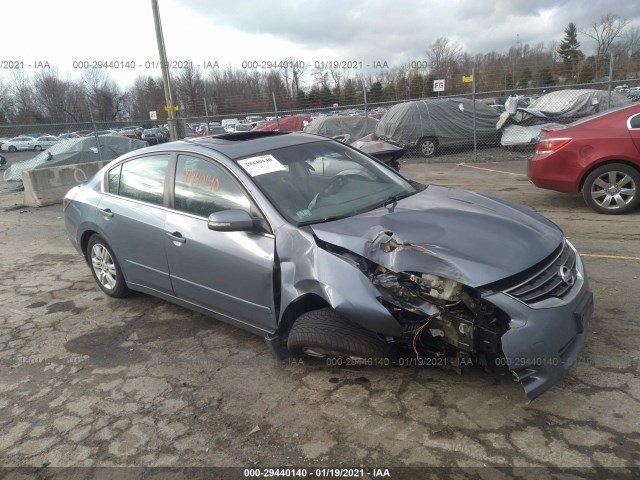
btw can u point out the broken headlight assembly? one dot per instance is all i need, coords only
(445, 323)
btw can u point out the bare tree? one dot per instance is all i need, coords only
(50, 94)
(443, 56)
(632, 39)
(22, 94)
(103, 94)
(189, 85)
(604, 32)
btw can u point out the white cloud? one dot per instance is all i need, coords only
(232, 32)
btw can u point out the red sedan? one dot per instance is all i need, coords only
(598, 155)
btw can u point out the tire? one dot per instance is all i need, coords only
(12, 148)
(327, 334)
(612, 189)
(37, 148)
(105, 268)
(427, 147)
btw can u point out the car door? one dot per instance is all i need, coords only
(132, 213)
(228, 273)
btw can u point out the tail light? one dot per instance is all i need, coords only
(68, 198)
(550, 145)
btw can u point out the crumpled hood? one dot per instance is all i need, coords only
(457, 234)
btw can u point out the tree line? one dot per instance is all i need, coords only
(46, 97)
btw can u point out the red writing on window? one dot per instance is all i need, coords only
(200, 179)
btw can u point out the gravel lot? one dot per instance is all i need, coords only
(86, 380)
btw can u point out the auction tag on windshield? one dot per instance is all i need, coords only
(255, 166)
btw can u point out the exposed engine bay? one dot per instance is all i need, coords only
(445, 323)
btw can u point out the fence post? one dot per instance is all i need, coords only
(275, 108)
(206, 113)
(610, 77)
(473, 95)
(95, 132)
(366, 110)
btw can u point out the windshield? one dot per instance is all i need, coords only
(326, 180)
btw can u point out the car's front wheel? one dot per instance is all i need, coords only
(13, 149)
(612, 189)
(326, 334)
(105, 268)
(37, 148)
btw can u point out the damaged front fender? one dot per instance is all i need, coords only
(306, 268)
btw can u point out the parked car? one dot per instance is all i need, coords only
(107, 132)
(242, 127)
(132, 132)
(3, 161)
(154, 136)
(598, 156)
(633, 93)
(18, 143)
(42, 143)
(426, 126)
(211, 130)
(327, 253)
(66, 136)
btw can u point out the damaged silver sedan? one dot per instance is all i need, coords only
(328, 253)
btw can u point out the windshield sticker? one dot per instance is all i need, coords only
(303, 213)
(255, 166)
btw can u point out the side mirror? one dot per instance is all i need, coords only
(231, 221)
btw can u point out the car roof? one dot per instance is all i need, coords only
(242, 144)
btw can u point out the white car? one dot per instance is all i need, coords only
(18, 143)
(44, 142)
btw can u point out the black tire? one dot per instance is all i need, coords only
(101, 259)
(327, 334)
(37, 148)
(427, 147)
(12, 148)
(612, 189)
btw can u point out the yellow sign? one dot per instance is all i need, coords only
(166, 109)
(467, 78)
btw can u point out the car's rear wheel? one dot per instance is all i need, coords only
(12, 148)
(326, 334)
(427, 147)
(612, 189)
(37, 148)
(105, 268)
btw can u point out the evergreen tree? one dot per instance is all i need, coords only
(569, 50)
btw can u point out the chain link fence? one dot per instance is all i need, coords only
(464, 118)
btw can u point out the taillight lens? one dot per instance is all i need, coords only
(68, 198)
(551, 145)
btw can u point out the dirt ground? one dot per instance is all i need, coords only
(89, 381)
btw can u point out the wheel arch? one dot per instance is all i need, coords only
(303, 304)
(84, 241)
(628, 163)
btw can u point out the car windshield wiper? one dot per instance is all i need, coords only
(392, 200)
(327, 219)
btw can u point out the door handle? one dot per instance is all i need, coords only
(106, 212)
(176, 237)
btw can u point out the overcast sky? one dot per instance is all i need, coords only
(230, 32)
